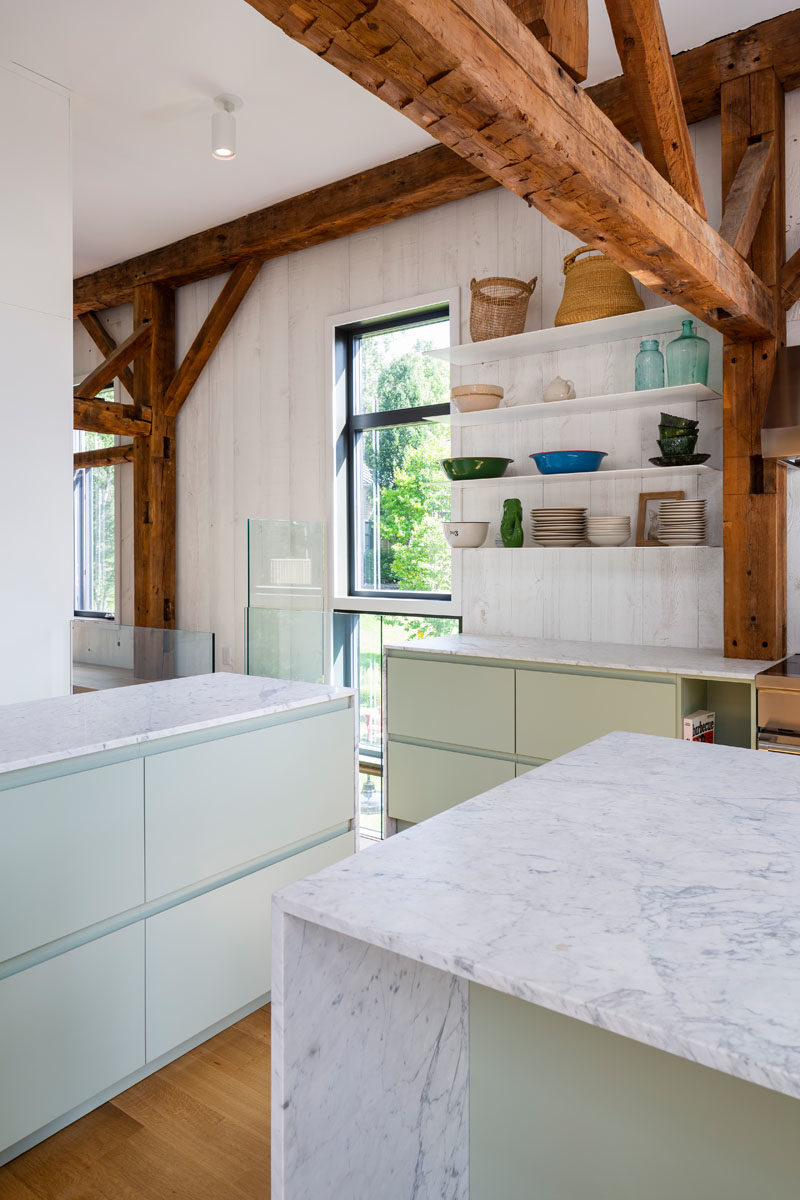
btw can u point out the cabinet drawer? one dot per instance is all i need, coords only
(451, 702)
(424, 782)
(558, 712)
(69, 1028)
(211, 956)
(213, 806)
(71, 853)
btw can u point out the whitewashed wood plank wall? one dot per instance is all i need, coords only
(252, 436)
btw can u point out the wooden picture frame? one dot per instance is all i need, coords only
(641, 518)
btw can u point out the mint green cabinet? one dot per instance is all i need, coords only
(456, 703)
(69, 1028)
(436, 709)
(71, 854)
(424, 781)
(559, 711)
(214, 805)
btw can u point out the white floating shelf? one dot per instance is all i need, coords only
(654, 398)
(593, 476)
(648, 322)
(546, 549)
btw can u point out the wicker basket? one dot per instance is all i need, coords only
(499, 306)
(595, 288)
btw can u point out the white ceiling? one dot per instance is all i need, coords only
(143, 77)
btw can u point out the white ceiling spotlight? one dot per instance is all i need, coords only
(223, 126)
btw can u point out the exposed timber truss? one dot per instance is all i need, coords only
(493, 80)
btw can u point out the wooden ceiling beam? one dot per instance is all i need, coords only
(421, 181)
(702, 71)
(790, 281)
(109, 368)
(745, 201)
(106, 456)
(470, 73)
(562, 26)
(643, 48)
(106, 345)
(101, 416)
(235, 289)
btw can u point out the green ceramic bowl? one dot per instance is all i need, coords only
(678, 445)
(474, 468)
(671, 422)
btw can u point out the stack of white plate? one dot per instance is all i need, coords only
(608, 531)
(682, 522)
(558, 526)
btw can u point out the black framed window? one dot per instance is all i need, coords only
(94, 520)
(398, 496)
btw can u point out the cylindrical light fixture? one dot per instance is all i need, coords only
(223, 126)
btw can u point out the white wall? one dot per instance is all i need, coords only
(252, 438)
(36, 404)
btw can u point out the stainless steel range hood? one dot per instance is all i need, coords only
(780, 436)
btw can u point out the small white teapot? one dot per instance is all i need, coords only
(559, 389)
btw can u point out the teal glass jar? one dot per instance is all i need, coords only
(687, 358)
(649, 366)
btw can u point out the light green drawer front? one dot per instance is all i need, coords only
(213, 806)
(424, 782)
(71, 854)
(558, 712)
(450, 702)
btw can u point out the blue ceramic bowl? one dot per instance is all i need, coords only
(558, 462)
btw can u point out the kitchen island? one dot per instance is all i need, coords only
(581, 985)
(143, 831)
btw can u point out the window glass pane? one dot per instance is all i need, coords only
(402, 497)
(365, 635)
(390, 373)
(370, 791)
(95, 526)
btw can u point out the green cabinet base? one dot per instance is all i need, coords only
(562, 1110)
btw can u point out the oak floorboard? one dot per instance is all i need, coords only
(198, 1129)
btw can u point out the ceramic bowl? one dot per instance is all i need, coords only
(474, 397)
(678, 422)
(557, 462)
(670, 446)
(465, 534)
(458, 469)
(608, 539)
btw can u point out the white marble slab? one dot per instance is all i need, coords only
(608, 655)
(370, 1065)
(645, 885)
(46, 731)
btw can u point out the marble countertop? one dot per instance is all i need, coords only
(645, 885)
(46, 731)
(663, 659)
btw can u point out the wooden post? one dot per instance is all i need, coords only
(754, 506)
(154, 486)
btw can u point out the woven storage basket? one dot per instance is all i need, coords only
(499, 306)
(595, 288)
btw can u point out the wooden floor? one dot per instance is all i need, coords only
(196, 1130)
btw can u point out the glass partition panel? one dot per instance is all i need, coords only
(285, 564)
(108, 655)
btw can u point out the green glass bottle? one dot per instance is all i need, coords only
(687, 358)
(649, 366)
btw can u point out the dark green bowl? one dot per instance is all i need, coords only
(459, 469)
(678, 422)
(678, 445)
